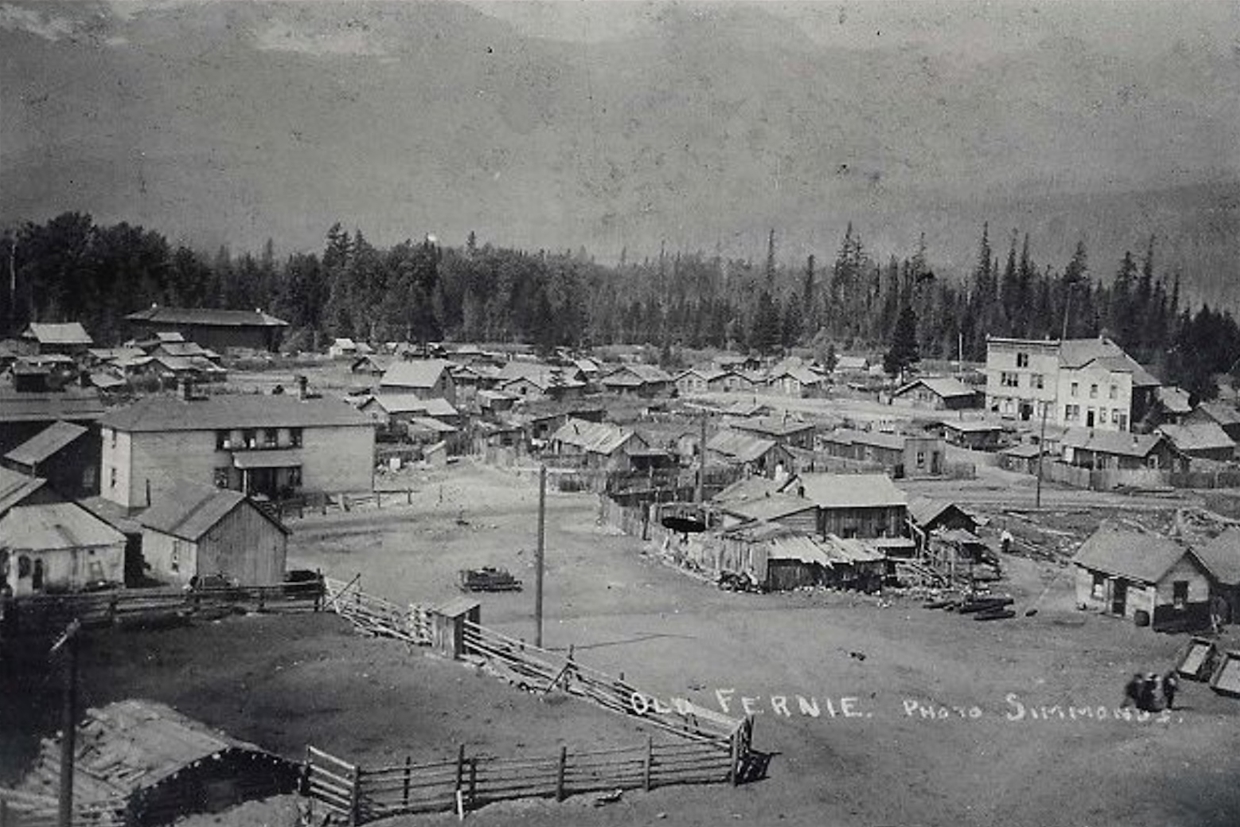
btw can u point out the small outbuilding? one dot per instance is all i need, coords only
(155, 765)
(57, 547)
(196, 531)
(1152, 579)
(1222, 557)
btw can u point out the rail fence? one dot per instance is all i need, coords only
(41, 613)
(22, 809)
(710, 747)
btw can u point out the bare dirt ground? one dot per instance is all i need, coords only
(923, 718)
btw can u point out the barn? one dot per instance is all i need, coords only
(155, 765)
(218, 330)
(196, 531)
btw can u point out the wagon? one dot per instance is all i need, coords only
(488, 579)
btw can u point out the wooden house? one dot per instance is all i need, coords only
(974, 434)
(273, 445)
(1101, 450)
(218, 330)
(54, 547)
(20, 489)
(696, 381)
(22, 414)
(424, 378)
(1200, 440)
(1173, 406)
(866, 506)
(65, 454)
(1023, 458)
(1221, 556)
(198, 531)
(796, 381)
(785, 510)
(785, 430)
(599, 445)
(65, 338)
(1223, 414)
(646, 381)
(937, 393)
(753, 453)
(1151, 579)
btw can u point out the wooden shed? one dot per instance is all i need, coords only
(58, 547)
(157, 765)
(1146, 577)
(196, 531)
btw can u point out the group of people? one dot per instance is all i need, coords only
(1151, 692)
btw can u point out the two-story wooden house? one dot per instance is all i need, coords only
(273, 445)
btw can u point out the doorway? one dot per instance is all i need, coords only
(1119, 597)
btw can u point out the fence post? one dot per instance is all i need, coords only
(355, 797)
(734, 777)
(408, 772)
(648, 763)
(559, 774)
(460, 765)
(473, 781)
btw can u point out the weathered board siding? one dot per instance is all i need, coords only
(67, 568)
(1155, 599)
(866, 523)
(244, 546)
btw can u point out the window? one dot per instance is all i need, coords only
(1093, 391)
(1022, 360)
(249, 438)
(1009, 380)
(1115, 391)
(294, 477)
(271, 437)
(1075, 386)
(1035, 380)
(294, 437)
(112, 436)
(921, 459)
(1071, 413)
(1102, 416)
(1179, 594)
(1122, 419)
(112, 477)
(222, 440)
(221, 477)
(1099, 590)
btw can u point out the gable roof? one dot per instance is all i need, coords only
(1173, 399)
(1221, 412)
(1131, 554)
(45, 443)
(739, 447)
(54, 526)
(1076, 353)
(227, 411)
(802, 374)
(852, 490)
(206, 316)
(879, 439)
(15, 487)
(1118, 443)
(772, 425)
(1198, 436)
(62, 333)
(189, 511)
(594, 437)
(946, 387)
(415, 373)
(1222, 556)
(406, 403)
(768, 508)
(72, 404)
(750, 488)
(637, 375)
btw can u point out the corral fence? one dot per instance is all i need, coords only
(464, 783)
(710, 747)
(22, 809)
(41, 613)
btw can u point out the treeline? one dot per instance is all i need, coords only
(72, 268)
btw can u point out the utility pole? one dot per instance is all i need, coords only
(538, 556)
(13, 285)
(1041, 452)
(701, 480)
(68, 641)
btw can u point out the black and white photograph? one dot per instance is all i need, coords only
(592, 413)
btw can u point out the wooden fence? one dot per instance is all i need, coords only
(39, 614)
(22, 809)
(377, 616)
(363, 794)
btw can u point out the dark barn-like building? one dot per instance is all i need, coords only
(218, 330)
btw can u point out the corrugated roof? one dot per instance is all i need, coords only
(414, 373)
(189, 511)
(53, 526)
(1112, 442)
(167, 413)
(1222, 556)
(852, 490)
(45, 443)
(15, 487)
(206, 317)
(1198, 436)
(60, 333)
(1131, 554)
(740, 447)
(594, 437)
(71, 404)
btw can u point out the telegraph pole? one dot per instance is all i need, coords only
(1041, 452)
(538, 556)
(69, 641)
(701, 480)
